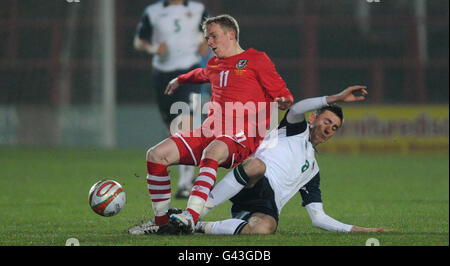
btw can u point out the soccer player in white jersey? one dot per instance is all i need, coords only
(171, 31)
(277, 172)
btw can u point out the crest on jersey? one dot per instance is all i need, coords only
(241, 64)
(305, 166)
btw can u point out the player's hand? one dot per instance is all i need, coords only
(370, 230)
(172, 86)
(283, 103)
(162, 49)
(349, 95)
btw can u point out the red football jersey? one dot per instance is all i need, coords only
(242, 87)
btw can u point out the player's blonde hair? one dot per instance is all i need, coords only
(226, 21)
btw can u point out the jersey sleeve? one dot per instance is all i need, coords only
(292, 128)
(144, 29)
(321, 220)
(270, 80)
(298, 110)
(311, 191)
(197, 75)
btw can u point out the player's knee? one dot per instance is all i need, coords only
(154, 155)
(255, 170)
(165, 153)
(254, 167)
(262, 226)
(217, 150)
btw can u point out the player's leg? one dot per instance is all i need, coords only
(247, 174)
(213, 155)
(231, 226)
(224, 151)
(189, 148)
(159, 158)
(255, 206)
(255, 169)
(188, 94)
(173, 122)
(181, 123)
(258, 223)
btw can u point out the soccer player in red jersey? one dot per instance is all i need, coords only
(243, 84)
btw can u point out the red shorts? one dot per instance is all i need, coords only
(192, 143)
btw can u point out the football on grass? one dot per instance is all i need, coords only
(107, 197)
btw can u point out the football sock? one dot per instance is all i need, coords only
(233, 182)
(158, 183)
(186, 176)
(225, 227)
(240, 175)
(202, 186)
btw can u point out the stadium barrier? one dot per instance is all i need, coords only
(392, 129)
(367, 128)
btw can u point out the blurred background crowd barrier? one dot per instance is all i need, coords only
(70, 77)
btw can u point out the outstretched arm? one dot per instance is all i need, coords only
(312, 200)
(298, 110)
(348, 95)
(321, 220)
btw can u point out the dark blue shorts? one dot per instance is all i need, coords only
(181, 94)
(260, 198)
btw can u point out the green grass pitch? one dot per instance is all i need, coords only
(44, 201)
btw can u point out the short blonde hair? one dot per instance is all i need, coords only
(227, 22)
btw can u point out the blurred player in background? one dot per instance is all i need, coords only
(171, 31)
(236, 76)
(263, 184)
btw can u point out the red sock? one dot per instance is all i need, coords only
(158, 183)
(194, 214)
(202, 186)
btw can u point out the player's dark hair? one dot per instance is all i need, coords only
(225, 21)
(334, 108)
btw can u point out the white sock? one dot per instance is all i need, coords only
(225, 227)
(227, 188)
(186, 176)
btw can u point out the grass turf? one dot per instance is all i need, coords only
(44, 201)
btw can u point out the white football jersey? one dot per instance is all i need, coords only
(179, 26)
(290, 164)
